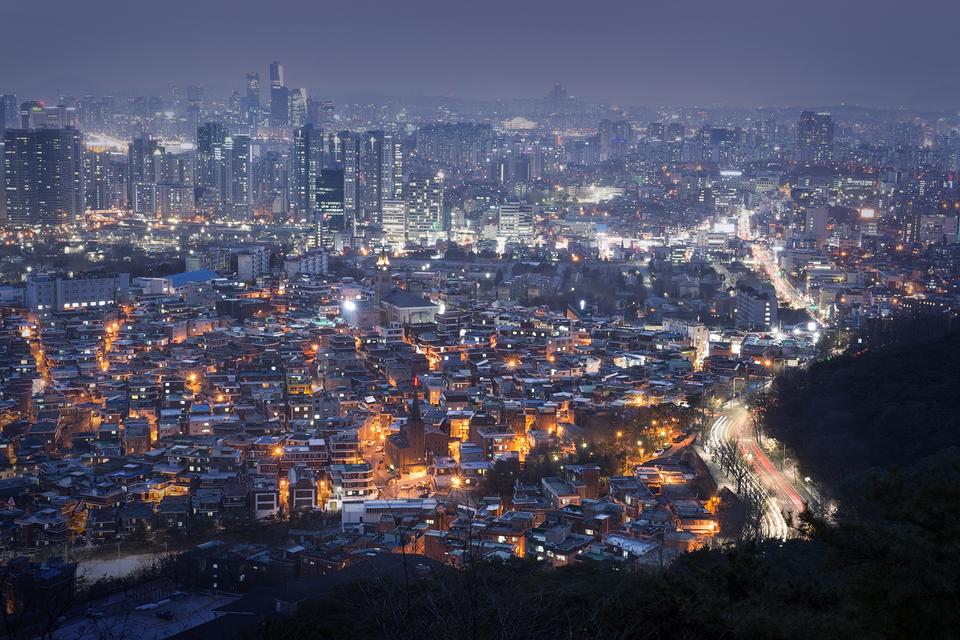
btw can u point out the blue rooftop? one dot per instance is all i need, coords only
(180, 279)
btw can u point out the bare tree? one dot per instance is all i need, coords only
(734, 463)
(755, 499)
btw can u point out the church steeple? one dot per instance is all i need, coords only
(381, 277)
(415, 415)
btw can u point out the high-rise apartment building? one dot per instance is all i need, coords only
(224, 165)
(307, 164)
(815, 137)
(43, 176)
(424, 198)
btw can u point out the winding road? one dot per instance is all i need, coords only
(784, 502)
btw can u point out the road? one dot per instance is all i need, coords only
(786, 291)
(733, 425)
(784, 288)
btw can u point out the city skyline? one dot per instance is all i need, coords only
(749, 54)
(430, 320)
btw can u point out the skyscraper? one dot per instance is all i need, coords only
(194, 106)
(30, 112)
(379, 172)
(297, 100)
(252, 98)
(43, 176)
(210, 157)
(330, 201)
(391, 181)
(815, 137)
(424, 198)
(224, 165)
(369, 176)
(8, 112)
(395, 222)
(279, 97)
(239, 154)
(143, 171)
(99, 179)
(307, 163)
(349, 149)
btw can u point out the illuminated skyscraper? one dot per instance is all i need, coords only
(252, 98)
(43, 176)
(329, 204)
(307, 163)
(424, 198)
(369, 176)
(8, 112)
(395, 222)
(30, 113)
(143, 169)
(224, 164)
(815, 137)
(297, 100)
(349, 150)
(279, 97)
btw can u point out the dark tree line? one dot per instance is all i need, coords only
(875, 407)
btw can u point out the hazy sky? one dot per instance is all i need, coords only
(735, 52)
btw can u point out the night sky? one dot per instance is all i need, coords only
(703, 52)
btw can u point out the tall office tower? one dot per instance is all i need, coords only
(816, 222)
(395, 223)
(43, 170)
(276, 75)
(194, 106)
(379, 172)
(329, 208)
(235, 111)
(424, 198)
(516, 223)
(252, 102)
(557, 98)
(224, 167)
(369, 176)
(615, 137)
(307, 163)
(99, 181)
(391, 173)
(239, 154)
(535, 160)
(211, 159)
(349, 148)
(327, 112)
(30, 113)
(674, 139)
(177, 167)
(815, 137)
(10, 112)
(279, 97)
(298, 107)
(333, 149)
(143, 172)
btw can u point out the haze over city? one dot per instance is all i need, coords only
(700, 52)
(518, 320)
